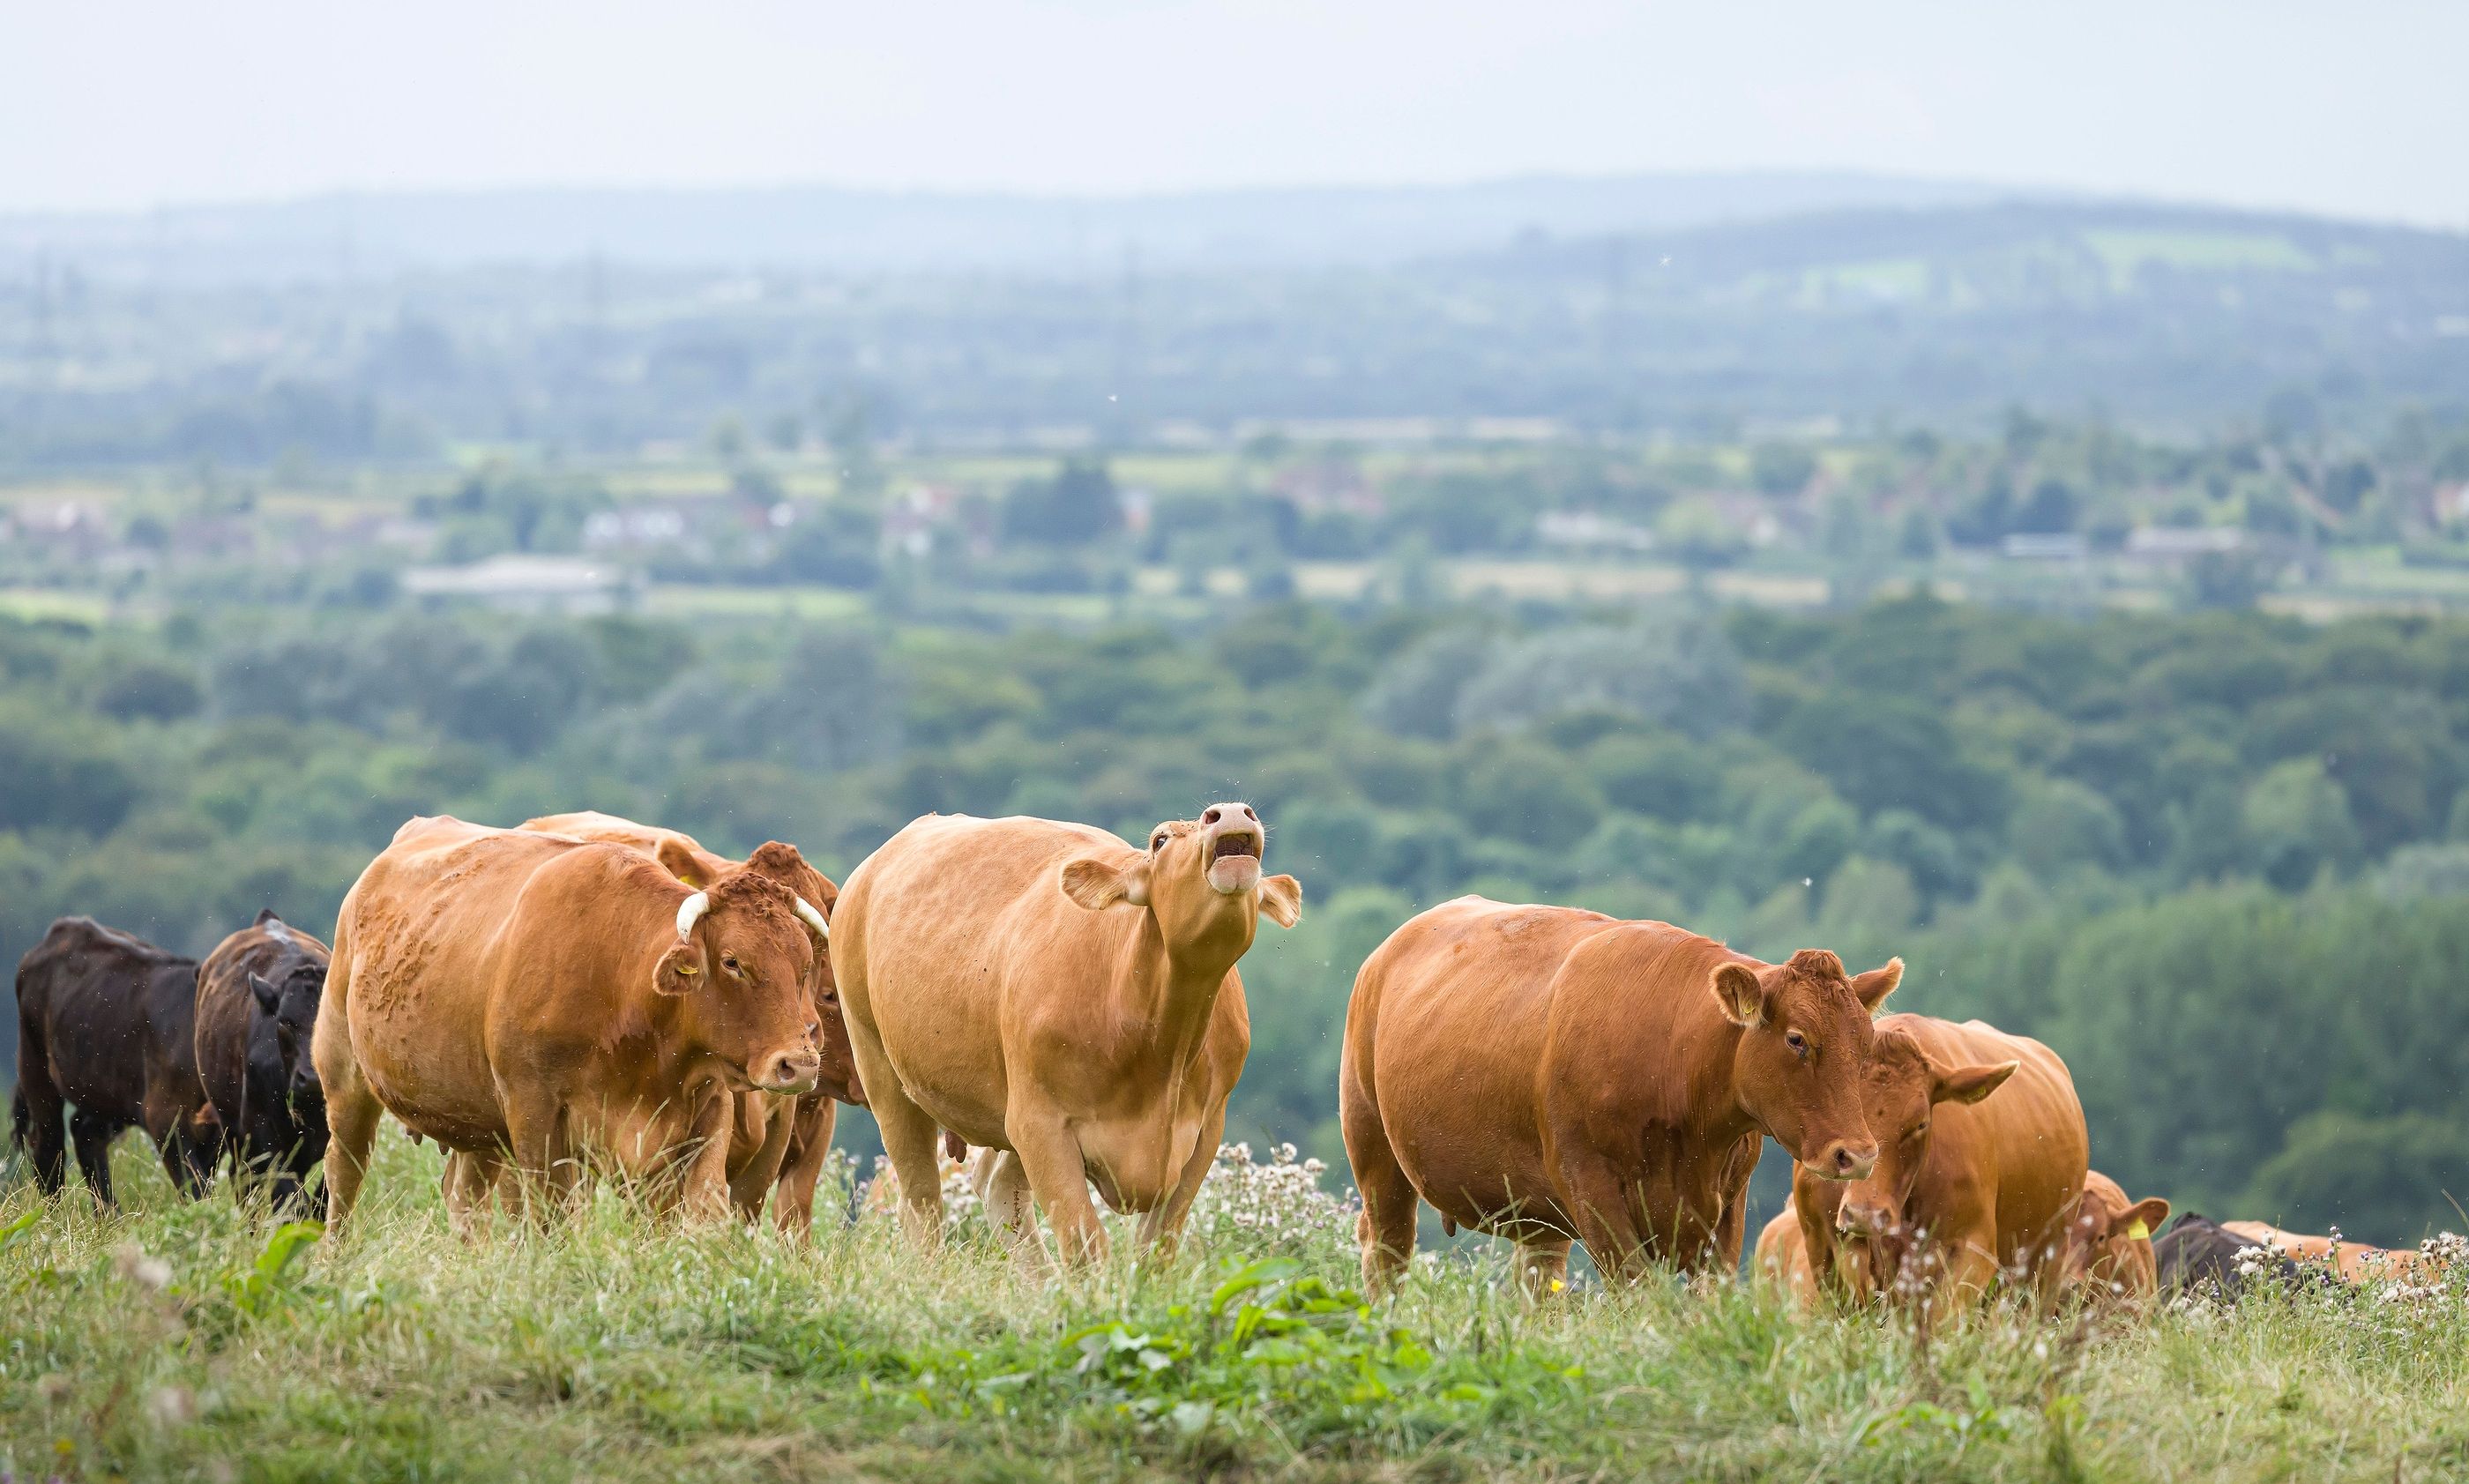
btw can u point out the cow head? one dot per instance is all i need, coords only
(1201, 878)
(839, 1076)
(1902, 1088)
(283, 1016)
(1803, 1043)
(742, 967)
(2108, 1241)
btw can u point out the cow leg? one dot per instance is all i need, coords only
(1543, 1265)
(909, 1135)
(1161, 1227)
(810, 1147)
(543, 1164)
(350, 1107)
(749, 1185)
(1003, 1184)
(39, 1115)
(168, 1127)
(1385, 1229)
(91, 1133)
(470, 1185)
(701, 1183)
(1606, 1218)
(1059, 1175)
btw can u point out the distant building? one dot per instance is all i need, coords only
(78, 527)
(2051, 546)
(2182, 543)
(633, 528)
(1589, 529)
(524, 584)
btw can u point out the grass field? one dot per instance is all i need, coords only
(175, 1342)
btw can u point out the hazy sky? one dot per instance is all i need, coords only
(2356, 107)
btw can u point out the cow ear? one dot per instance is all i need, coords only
(1971, 1084)
(268, 998)
(1282, 899)
(2141, 1220)
(1875, 986)
(265, 916)
(1098, 886)
(1738, 991)
(680, 969)
(678, 861)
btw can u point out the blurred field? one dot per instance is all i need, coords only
(168, 1343)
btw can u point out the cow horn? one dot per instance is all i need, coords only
(814, 919)
(690, 911)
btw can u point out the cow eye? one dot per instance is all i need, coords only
(730, 963)
(1157, 843)
(1798, 1043)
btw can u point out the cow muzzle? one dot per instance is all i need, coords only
(788, 1074)
(1234, 845)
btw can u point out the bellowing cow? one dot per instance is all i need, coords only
(1967, 1184)
(529, 998)
(774, 1141)
(1045, 991)
(257, 1009)
(107, 1021)
(1548, 1074)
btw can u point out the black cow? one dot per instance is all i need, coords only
(257, 1005)
(2197, 1251)
(106, 1023)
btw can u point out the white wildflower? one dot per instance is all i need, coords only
(173, 1406)
(132, 1263)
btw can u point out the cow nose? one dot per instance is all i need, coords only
(791, 1072)
(1843, 1160)
(1212, 814)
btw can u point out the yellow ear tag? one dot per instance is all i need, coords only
(2138, 1232)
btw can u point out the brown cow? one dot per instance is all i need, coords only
(773, 1140)
(1783, 1258)
(257, 1013)
(2354, 1262)
(533, 998)
(1967, 1184)
(1044, 990)
(1548, 1074)
(2109, 1251)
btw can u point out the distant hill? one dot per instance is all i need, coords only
(830, 229)
(1382, 305)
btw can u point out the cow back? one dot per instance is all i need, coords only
(112, 1015)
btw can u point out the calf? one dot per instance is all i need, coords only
(1783, 1258)
(1967, 1185)
(107, 1022)
(1045, 991)
(257, 1009)
(2110, 1242)
(1548, 1075)
(536, 1000)
(774, 1142)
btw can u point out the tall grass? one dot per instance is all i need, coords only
(180, 1340)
